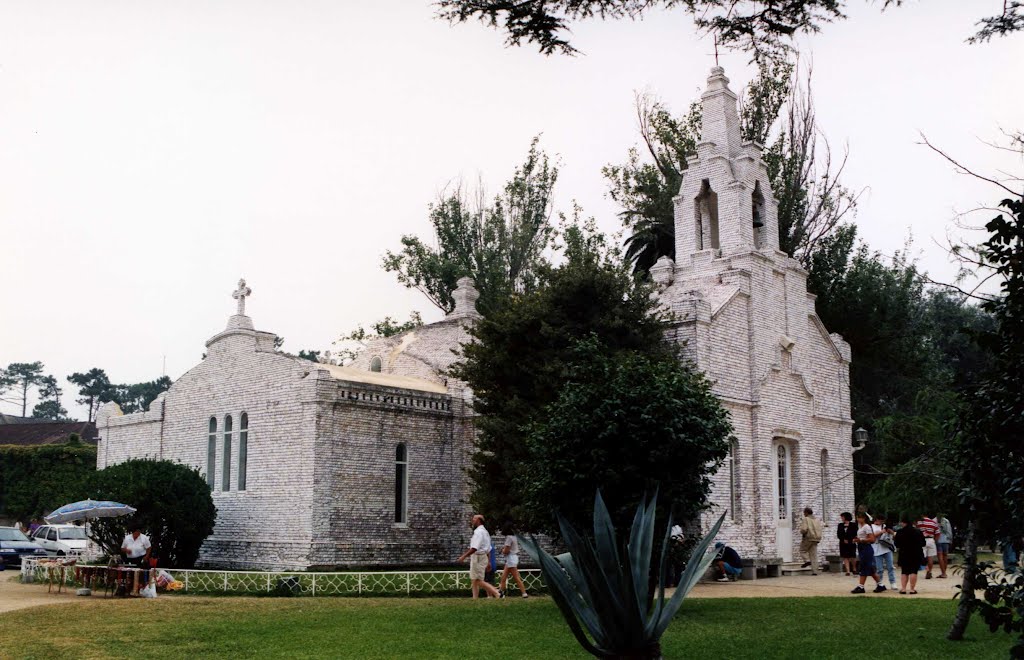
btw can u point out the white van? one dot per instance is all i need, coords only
(61, 540)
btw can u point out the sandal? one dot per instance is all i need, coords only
(903, 593)
(913, 593)
(942, 576)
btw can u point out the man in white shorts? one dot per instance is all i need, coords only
(930, 528)
(479, 554)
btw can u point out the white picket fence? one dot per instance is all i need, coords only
(348, 583)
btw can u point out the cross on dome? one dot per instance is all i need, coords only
(240, 295)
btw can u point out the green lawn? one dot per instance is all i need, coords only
(192, 627)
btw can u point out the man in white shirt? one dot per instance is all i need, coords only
(479, 554)
(136, 548)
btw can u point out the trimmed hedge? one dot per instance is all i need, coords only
(35, 480)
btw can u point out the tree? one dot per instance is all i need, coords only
(765, 28)
(499, 244)
(136, 397)
(93, 389)
(49, 404)
(520, 356)
(312, 356)
(23, 375)
(173, 503)
(624, 422)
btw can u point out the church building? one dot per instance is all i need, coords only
(744, 316)
(319, 465)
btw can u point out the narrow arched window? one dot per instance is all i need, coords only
(734, 485)
(211, 452)
(757, 206)
(783, 482)
(401, 483)
(706, 205)
(243, 448)
(375, 364)
(226, 483)
(824, 484)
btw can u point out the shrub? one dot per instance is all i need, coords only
(173, 503)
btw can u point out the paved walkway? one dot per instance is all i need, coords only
(823, 584)
(16, 596)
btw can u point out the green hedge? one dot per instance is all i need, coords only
(36, 480)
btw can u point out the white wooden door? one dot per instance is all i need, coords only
(783, 495)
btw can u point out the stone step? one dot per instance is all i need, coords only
(795, 568)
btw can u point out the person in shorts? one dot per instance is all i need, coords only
(930, 529)
(478, 553)
(944, 542)
(511, 551)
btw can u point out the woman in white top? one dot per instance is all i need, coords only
(511, 552)
(866, 536)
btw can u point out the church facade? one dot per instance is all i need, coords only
(744, 316)
(319, 465)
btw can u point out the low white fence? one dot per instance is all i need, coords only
(348, 583)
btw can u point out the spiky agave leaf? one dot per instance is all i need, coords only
(564, 595)
(641, 542)
(612, 607)
(695, 569)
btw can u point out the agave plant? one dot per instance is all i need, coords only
(607, 599)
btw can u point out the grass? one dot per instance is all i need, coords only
(196, 627)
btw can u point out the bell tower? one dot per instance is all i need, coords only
(725, 205)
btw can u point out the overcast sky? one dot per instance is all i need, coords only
(151, 153)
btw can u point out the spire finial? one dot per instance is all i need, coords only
(240, 295)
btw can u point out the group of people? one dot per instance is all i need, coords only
(479, 555)
(868, 545)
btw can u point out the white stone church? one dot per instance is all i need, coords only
(318, 465)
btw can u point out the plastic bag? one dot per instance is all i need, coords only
(163, 579)
(148, 591)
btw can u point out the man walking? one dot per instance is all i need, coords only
(810, 530)
(885, 545)
(479, 554)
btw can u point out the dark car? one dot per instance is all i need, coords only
(14, 545)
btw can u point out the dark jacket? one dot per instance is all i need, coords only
(910, 544)
(846, 531)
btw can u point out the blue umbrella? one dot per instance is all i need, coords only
(88, 510)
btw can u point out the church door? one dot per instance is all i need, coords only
(783, 510)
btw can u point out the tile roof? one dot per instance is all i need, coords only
(44, 432)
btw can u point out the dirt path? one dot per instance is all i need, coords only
(17, 596)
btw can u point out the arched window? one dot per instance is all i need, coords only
(706, 205)
(734, 484)
(824, 484)
(243, 448)
(375, 364)
(757, 206)
(401, 483)
(211, 452)
(226, 483)
(783, 476)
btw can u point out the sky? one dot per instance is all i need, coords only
(151, 153)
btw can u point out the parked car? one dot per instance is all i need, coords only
(14, 545)
(61, 540)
